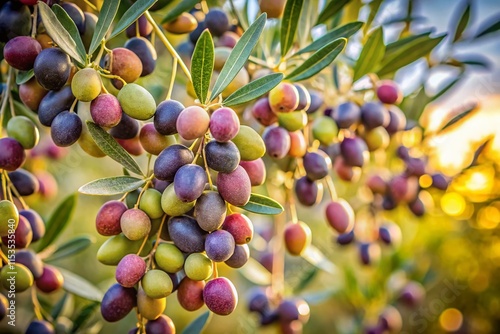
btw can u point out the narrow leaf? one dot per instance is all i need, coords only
(344, 31)
(111, 186)
(255, 272)
(239, 55)
(374, 9)
(408, 54)
(57, 32)
(479, 151)
(59, 306)
(198, 324)
(306, 279)
(462, 23)
(331, 9)
(493, 25)
(110, 147)
(106, 17)
(71, 247)
(24, 76)
(404, 42)
(474, 59)
(58, 221)
(447, 87)
(131, 15)
(289, 24)
(263, 205)
(254, 89)
(371, 55)
(70, 26)
(318, 61)
(202, 65)
(79, 286)
(183, 6)
(315, 257)
(83, 316)
(458, 118)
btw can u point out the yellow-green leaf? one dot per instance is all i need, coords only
(371, 55)
(289, 24)
(202, 65)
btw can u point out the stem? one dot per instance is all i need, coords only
(172, 79)
(149, 163)
(4, 186)
(35, 19)
(258, 61)
(215, 272)
(146, 186)
(5, 95)
(4, 257)
(14, 190)
(90, 4)
(72, 108)
(167, 44)
(204, 7)
(158, 234)
(206, 165)
(36, 304)
(331, 188)
(278, 272)
(111, 76)
(142, 245)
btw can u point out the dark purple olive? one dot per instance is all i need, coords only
(346, 114)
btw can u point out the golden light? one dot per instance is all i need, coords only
(488, 217)
(425, 181)
(453, 204)
(451, 319)
(479, 181)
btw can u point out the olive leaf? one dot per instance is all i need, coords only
(79, 286)
(315, 257)
(331, 9)
(183, 6)
(24, 76)
(318, 61)
(263, 205)
(371, 54)
(289, 24)
(254, 89)
(83, 316)
(202, 65)
(239, 55)
(344, 31)
(58, 33)
(462, 23)
(131, 15)
(459, 118)
(106, 16)
(110, 147)
(198, 324)
(404, 42)
(58, 221)
(493, 25)
(111, 186)
(71, 247)
(70, 26)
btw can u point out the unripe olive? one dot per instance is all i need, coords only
(135, 224)
(148, 307)
(249, 143)
(172, 205)
(9, 218)
(17, 277)
(293, 121)
(151, 203)
(86, 84)
(169, 258)
(22, 129)
(325, 130)
(137, 102)
(115, 248)
(157, 284)
(198, 267)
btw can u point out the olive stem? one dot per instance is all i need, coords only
(149, 163)
(9, 190)
(36, 304)
(258, 61)
(215, 272)
(4, 186)
(157, 243)
(72, 108)
(206, 165)
(204, 7)
(291, 206)
(111, 76)
(331, 187)
(14, 190)
(35, 19)
(142, 245)
(4, 257)
(172, 79)
(146, 186)
(6, 95)
(278, 268)
(167, 44)
(90, 4)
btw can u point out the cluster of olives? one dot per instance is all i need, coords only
(291, 314)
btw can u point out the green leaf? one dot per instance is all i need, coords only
(59, 306)
(71, 247)
(289, 24)
(493, 25)
(263, 205)
(408, 54)
(198, 324)
(22, 110)
(202, 65)
(475, 60)
(255, 272)
(70, 26)
(371, 55)
(110, 147)
(315, 257)
(58, 33)
(79, 286)
(447, 87)
(83, 316)
(254, 89)
(404, 42)
(374, 8)
(183, 6)
(331, 9)
(111, 186)
(106, 17)
(131, 15)
(462, 23)
(58, 221)
(459, 118)
(24, 76)
(318, 61)
(344, 31)
(306, 279)
(239, 55)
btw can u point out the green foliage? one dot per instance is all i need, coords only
(263, 205)
(198, 324)
(79, 286)
(131, 15)
(24, 76)
(106, 16)
(70, 26)
(371, 55)
(331, 9)
(202, 65)
(254, 89)
(462, 23)
(289, 25)
(71, 247)
(111, 186)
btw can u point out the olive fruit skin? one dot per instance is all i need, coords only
(52, 68)
(151, 203)
(12, 154)
(125, 64)
(76, 14)
(325, 130)
(222, 157)
(162, 325)
(277, 141)
(210, 211)
(31, 94)
(51, 279)
(157, 284)
(186, 234)
(108, 218)
(170, 160)
(172, 205)
(135, 224)
(240, 256)
(137, 102)
(145, 51)
(190, 294)
(217, 22)
(256, 171)
(340, 216)
(54, 103)
(235, 187)
(219, 245)
(198, 267)
(148, 307)
(21, 52)
(317, 165)
(220, 296)
(152, 141)
(262, 112)
(240, 227)
(274, 9)
(15, 20)
(86, 84)
(169, 258)
(166, 115)
(354, 151)
(9, 217)
(23, 277)
(192, 122)
(23, 234)
(284, 98)
(22, 129)
(388, 92)
(117, 302)
(373, 115)
(347, 114)
(127, 128)
(66, 128)
(130, 270)
(249, 143)
(106, 111)
(30, 259)
(224, 124)
(189, 182)
(40, 327)
(26, 183)
(115, 248)
(297, 237)
(142, 25)
(183, 24)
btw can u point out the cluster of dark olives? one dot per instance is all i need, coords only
(291, 314)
